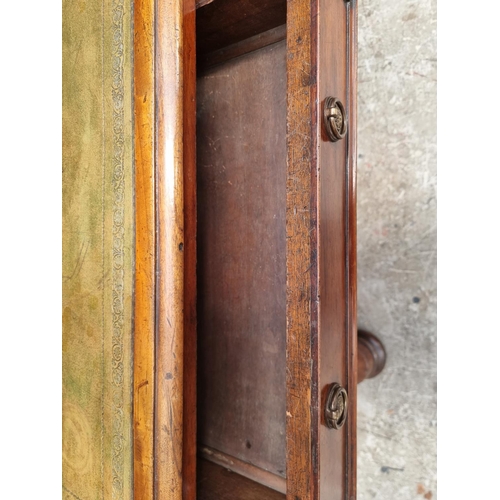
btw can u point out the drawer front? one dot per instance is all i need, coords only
(321, 255)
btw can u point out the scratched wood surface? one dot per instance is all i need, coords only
(301, 263)
(164, 386)
(145, 223)
(190, 334)
(320, 254)
(320, 234)
(224, 22)
(169, 96)
(330, 49)
(98, 247)
(241, 257)
(240, 48)
(219, 483)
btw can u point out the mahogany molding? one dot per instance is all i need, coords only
(321, 258)
(190, 332)
(164, 67)
(351, 201)
(145, 251)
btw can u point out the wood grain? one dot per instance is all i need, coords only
(320, 254)
(241, 257)
(144, 306)
(301, 260)
(218, 483)
(169, 95)
(246, 469)
(330, 50)
(352, 157)
(371, 355)
(244, 47)
(320, 267)
(189, 152)
(164, 155)
(225, 22)
(201, 3)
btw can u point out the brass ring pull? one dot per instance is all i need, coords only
(336, 407)
(335, 119)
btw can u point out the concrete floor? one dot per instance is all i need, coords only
(397, 246)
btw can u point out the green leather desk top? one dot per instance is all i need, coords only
(98, 244)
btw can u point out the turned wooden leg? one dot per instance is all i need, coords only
(371, 355)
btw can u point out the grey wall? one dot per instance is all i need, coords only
(397, 246)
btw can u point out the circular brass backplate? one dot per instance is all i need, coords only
(335, 119)
(336, 407)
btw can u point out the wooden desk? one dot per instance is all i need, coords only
(244, 297)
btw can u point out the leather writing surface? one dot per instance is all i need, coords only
(97, 249)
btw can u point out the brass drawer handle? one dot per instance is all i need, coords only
(336, 407)
(335, 119)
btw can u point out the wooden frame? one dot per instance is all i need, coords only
(321, 272)
(321, 266)
(145, 251)
(272, 254)
(164, 293)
